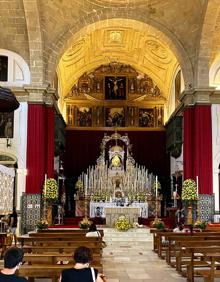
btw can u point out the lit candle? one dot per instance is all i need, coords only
(197, 185)
(156, 187)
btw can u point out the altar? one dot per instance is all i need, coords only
(99, 209)
(117, 184)
(112, 214)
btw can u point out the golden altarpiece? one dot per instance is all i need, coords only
(115, 95)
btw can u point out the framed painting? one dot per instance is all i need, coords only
(146, 117)
(115, 88)
(83, 116)
(6, 125)
(114, 117)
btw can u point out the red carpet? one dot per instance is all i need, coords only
(73, 222)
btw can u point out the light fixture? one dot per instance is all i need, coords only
(8, 142)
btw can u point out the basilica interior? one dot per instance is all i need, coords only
(118, 101)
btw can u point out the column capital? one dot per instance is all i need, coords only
(42, 94)
(201, 96)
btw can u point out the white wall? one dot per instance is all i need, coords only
(216, 151)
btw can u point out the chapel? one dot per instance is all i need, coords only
(109, 105)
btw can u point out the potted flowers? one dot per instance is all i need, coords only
(122, 223)
(189, 196)
(41, 225)
(189, 190)
(85, 223)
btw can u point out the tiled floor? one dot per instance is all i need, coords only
(129, 257)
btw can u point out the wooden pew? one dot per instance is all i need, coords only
(191, 249)
(42, 241)
(48, 271)
(62, 233)
(210, 255)
(188, 237)
(59, 249)
(54, 258)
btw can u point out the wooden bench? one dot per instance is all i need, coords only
(47, 271)
(191, 256)
(61, 233)
(171, 239)
(54, 258)
(59, 249)
(41, 241)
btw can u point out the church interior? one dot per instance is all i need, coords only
(110, 109)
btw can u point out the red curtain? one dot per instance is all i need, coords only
(50, 141)
(148, 147)
(198, 146)
(40, 146)
(188, 121)
(36, 150)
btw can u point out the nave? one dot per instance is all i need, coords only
(128, 257)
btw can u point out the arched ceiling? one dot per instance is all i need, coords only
(126, 41)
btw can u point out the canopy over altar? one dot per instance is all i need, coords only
(117, 180)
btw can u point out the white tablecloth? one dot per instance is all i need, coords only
(98, 209)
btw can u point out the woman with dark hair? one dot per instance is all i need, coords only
(81, 272)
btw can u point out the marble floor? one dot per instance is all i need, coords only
(128, 257)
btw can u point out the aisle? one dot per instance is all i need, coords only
(128, 257)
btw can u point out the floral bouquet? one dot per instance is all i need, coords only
(189, 191)
(42, 225)
(122, 223)
(50, 190)
(85, 223)
(157, 223)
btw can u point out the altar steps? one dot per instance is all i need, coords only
(74, 221)
(134, 235)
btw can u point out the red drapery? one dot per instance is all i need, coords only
(40, 146)
(198, 146)
(148, 147)
(50, 141)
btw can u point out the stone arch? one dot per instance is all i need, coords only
(205, 44)
(35, 41)
(94, 19)
(214, 74)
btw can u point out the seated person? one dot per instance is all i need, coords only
(93, 232)
(12, 261)
(81, 271)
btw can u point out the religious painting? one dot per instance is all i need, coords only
(84, 116)
(115, 88)
(114, 117)
(6, 125)
(3, 68)
(146, 117)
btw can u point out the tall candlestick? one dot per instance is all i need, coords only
(45, 184)
(197, 185)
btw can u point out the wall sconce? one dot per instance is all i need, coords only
(8, 143)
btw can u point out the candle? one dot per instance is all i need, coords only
(156, 187)
(197, 185)
(45, 184)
